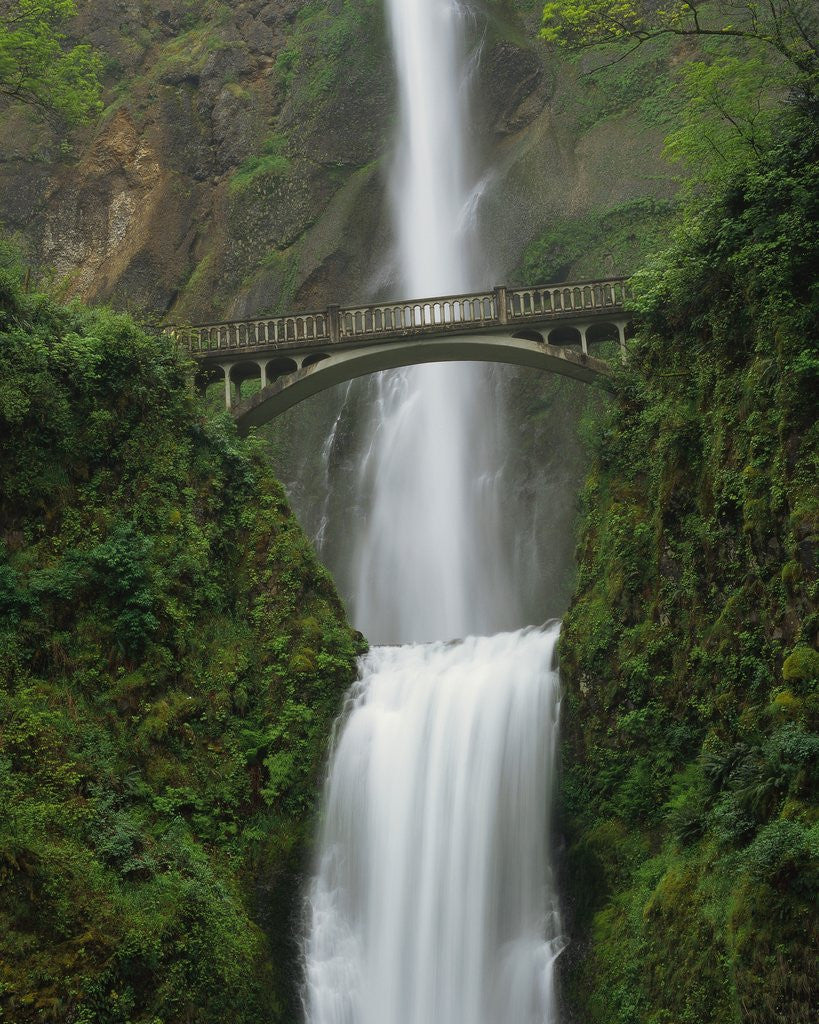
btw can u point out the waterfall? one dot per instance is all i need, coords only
(431, 561)
(432, 900)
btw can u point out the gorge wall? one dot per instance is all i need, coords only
(172, 654)
(172, 657)
(690, 649)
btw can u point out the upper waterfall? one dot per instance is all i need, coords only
(431, 187)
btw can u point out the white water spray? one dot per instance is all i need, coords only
(431, 561)
(433, 901)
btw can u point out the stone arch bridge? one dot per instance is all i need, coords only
(548, 327)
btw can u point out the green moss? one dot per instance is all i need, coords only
(787, 705)
(197, 292)
(330, 45)
(287, 64)
(186, 54)
(802, 664)
(271, 162)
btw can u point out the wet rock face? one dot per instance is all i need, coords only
(177, 173)
(514, 87)
(108, 208)
(235, 128)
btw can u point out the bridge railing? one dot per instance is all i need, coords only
(583, 296)
(264, 332)
(422, 316)
(448, 313)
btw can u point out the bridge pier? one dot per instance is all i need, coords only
(621, 331)
(226, 368)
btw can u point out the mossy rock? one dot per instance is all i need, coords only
(156, 748)
(801, 665)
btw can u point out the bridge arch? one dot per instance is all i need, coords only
(313, 358)
(236, 373)
(566, 334)
(603, 331)
(281, 366)
(530, 335)
(350, 363)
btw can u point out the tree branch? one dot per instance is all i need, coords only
(610, 64)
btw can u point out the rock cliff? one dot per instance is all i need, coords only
(239, 162)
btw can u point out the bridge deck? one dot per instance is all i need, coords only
(295, 356)
(476, 312)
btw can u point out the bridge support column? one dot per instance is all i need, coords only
(226, 367)
(621, 330)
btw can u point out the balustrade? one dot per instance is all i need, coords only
(426, 316)
(587, 296)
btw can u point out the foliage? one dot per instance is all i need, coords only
(689, 651)
(787, 26)
(36, 65)
(271, 162)
(730, 116)
(750, 56)
(171, 659)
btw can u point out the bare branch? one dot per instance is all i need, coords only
(610, 64)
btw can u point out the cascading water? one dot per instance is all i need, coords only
(431, 558)
(433, 901)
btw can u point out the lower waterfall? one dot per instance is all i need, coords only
(433, 901)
